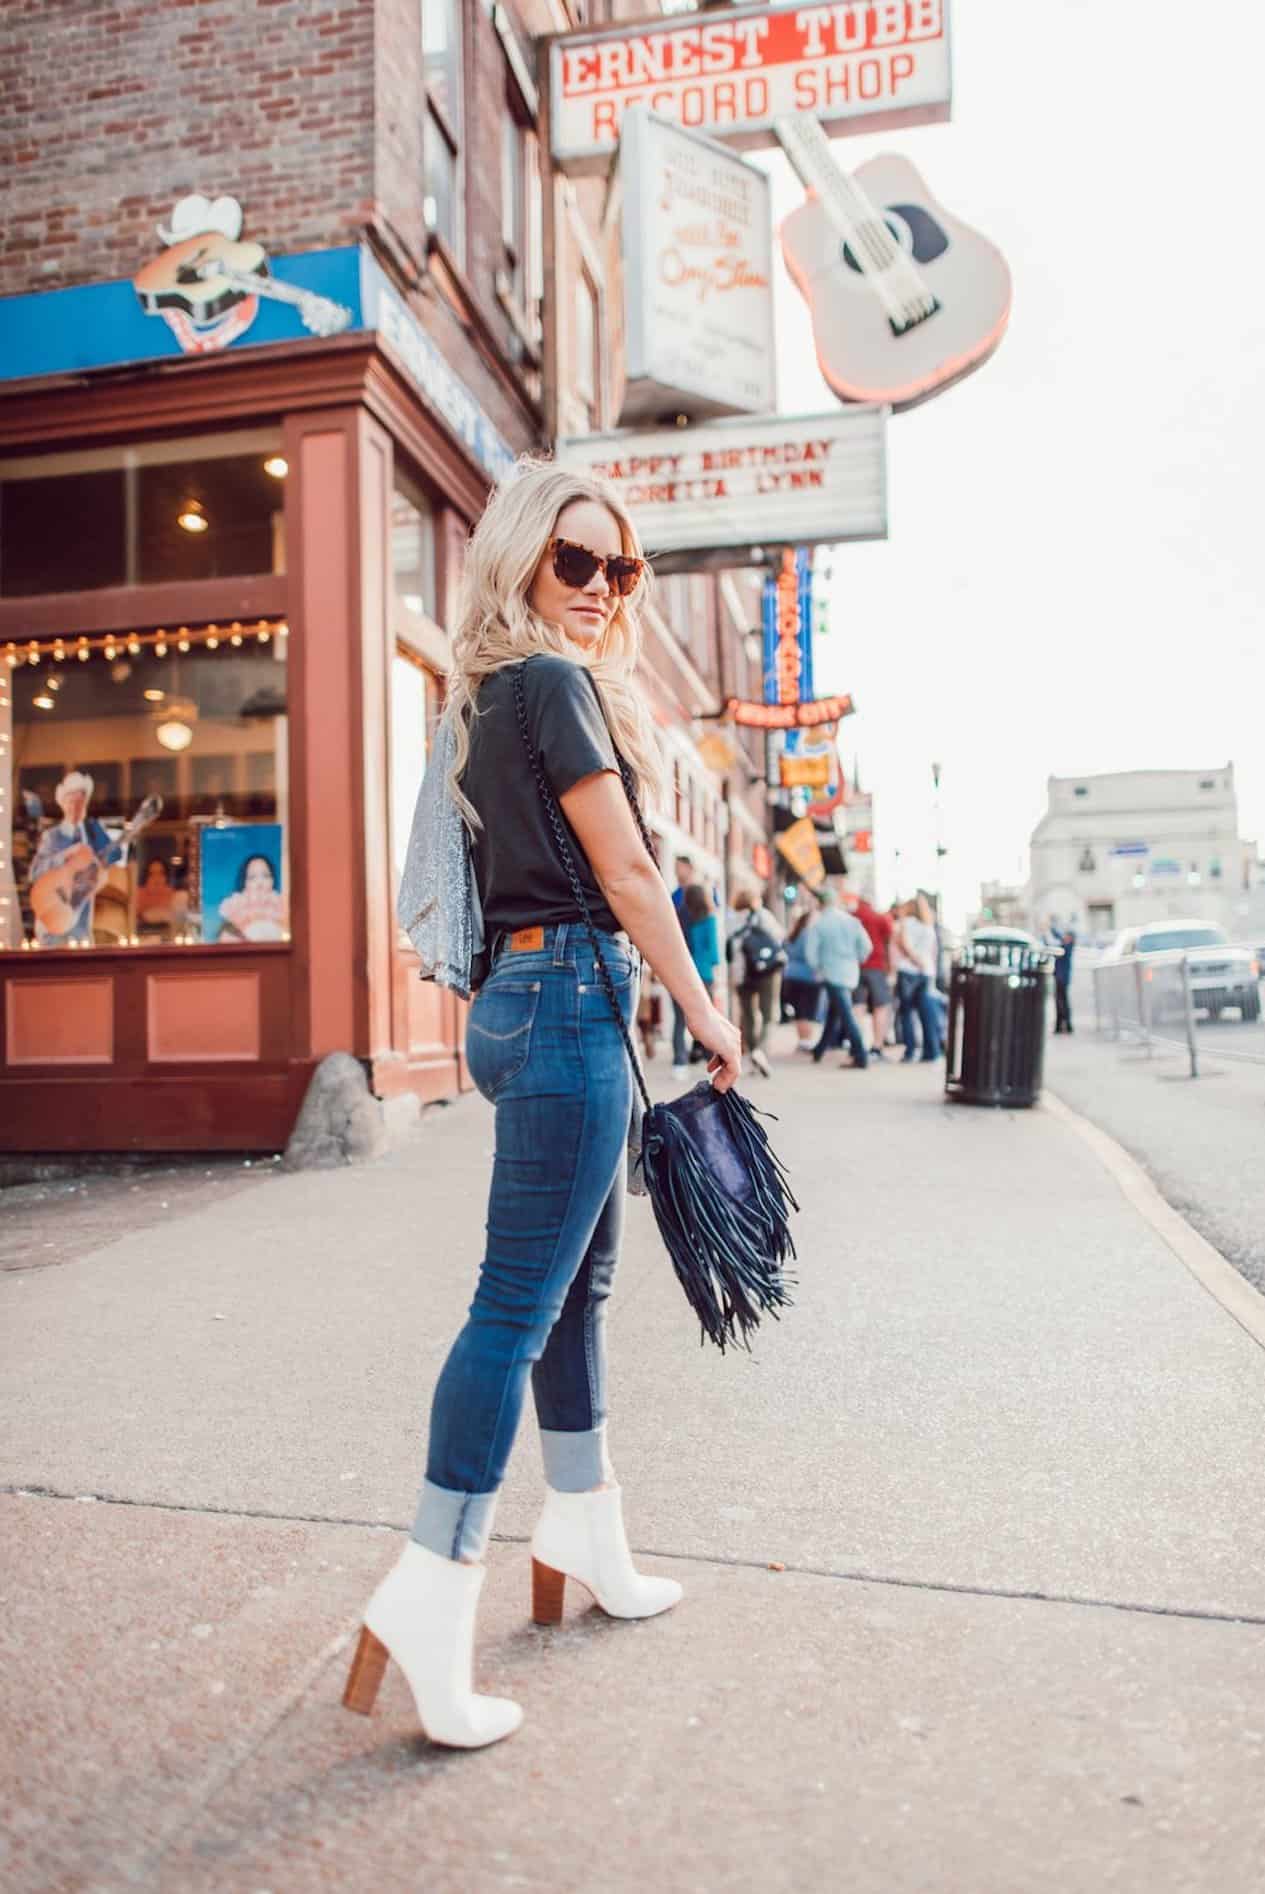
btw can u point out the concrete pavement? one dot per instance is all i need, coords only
(1006, 1448)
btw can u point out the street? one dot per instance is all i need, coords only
(972, 1545)
(1200, 1139)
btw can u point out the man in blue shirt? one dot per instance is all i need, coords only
(1064, 938)
(834, 946)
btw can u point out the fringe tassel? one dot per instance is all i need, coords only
(727, 1253)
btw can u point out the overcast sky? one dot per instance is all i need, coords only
(1072, 580)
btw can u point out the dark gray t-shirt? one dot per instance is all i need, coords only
(522, 882)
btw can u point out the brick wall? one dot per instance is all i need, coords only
(112, 109)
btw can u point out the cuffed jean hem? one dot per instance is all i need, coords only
(455, 1525)
(576, 1463)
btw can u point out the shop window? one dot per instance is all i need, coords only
(522, 211)
(442, 130)
(141, 515)
(145, 788)
(409, 747)
(413, 549)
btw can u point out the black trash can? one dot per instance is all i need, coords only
(997, 1009)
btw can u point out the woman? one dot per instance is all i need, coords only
(257, 911)
(552, 591)
(801, 987)
(914, 951)
(702, 934)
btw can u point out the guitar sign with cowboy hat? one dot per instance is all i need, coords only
(207, 283)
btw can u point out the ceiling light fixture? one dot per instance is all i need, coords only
(44, 701)
(192, 516)
(154, 696)
(173, 724)
(277, 465)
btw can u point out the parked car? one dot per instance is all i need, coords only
(1221, 975)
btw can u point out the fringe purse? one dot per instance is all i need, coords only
(721, 1196)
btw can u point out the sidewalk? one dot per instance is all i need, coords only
(1006, 1447)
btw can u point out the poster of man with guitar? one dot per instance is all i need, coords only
(206, 284)
(71, 861)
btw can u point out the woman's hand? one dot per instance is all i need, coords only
(723, 1041)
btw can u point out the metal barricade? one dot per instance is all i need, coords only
(1148, 998)
(998, 994)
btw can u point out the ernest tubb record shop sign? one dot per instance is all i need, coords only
(865, 65)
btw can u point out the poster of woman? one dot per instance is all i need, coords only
(241, 891)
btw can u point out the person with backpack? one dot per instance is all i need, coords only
(757, 956)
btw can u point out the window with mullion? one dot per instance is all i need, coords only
(444, 120)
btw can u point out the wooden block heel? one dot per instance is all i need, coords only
(547, 1587)
(367, 1669)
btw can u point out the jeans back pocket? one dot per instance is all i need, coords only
(498, 1033)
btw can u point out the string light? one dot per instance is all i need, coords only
(59, 646)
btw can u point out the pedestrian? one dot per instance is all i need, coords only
(836, 945)
(649, 1016)
(801, 988)
(547, 628)
(683, 868)
(874, 990)
(757, 954)
(1065, 940)
(914, 949)
(702, 934)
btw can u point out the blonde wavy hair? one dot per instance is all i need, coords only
(496, 626)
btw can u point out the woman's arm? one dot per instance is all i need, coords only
(598, 811)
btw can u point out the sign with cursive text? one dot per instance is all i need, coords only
(803, 716)
(737, 489)
(697, 268)
(864, 65)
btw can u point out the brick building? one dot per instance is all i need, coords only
(235, 487)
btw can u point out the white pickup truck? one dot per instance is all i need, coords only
(1220, 975)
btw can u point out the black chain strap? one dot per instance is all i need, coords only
(563, 847)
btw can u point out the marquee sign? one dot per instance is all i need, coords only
(727, 487)
(697, 238)
(865, 65)
(789, 716)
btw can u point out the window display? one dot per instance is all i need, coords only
(145, 787)
(198, 508)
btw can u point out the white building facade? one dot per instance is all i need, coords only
(1144, 845)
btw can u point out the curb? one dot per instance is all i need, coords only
(1207, 1265)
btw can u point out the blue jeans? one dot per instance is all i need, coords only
(914, 995)
(542, 1045)
(841, 1024)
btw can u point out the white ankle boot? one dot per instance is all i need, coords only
(581, 1536)
(422, 1615)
